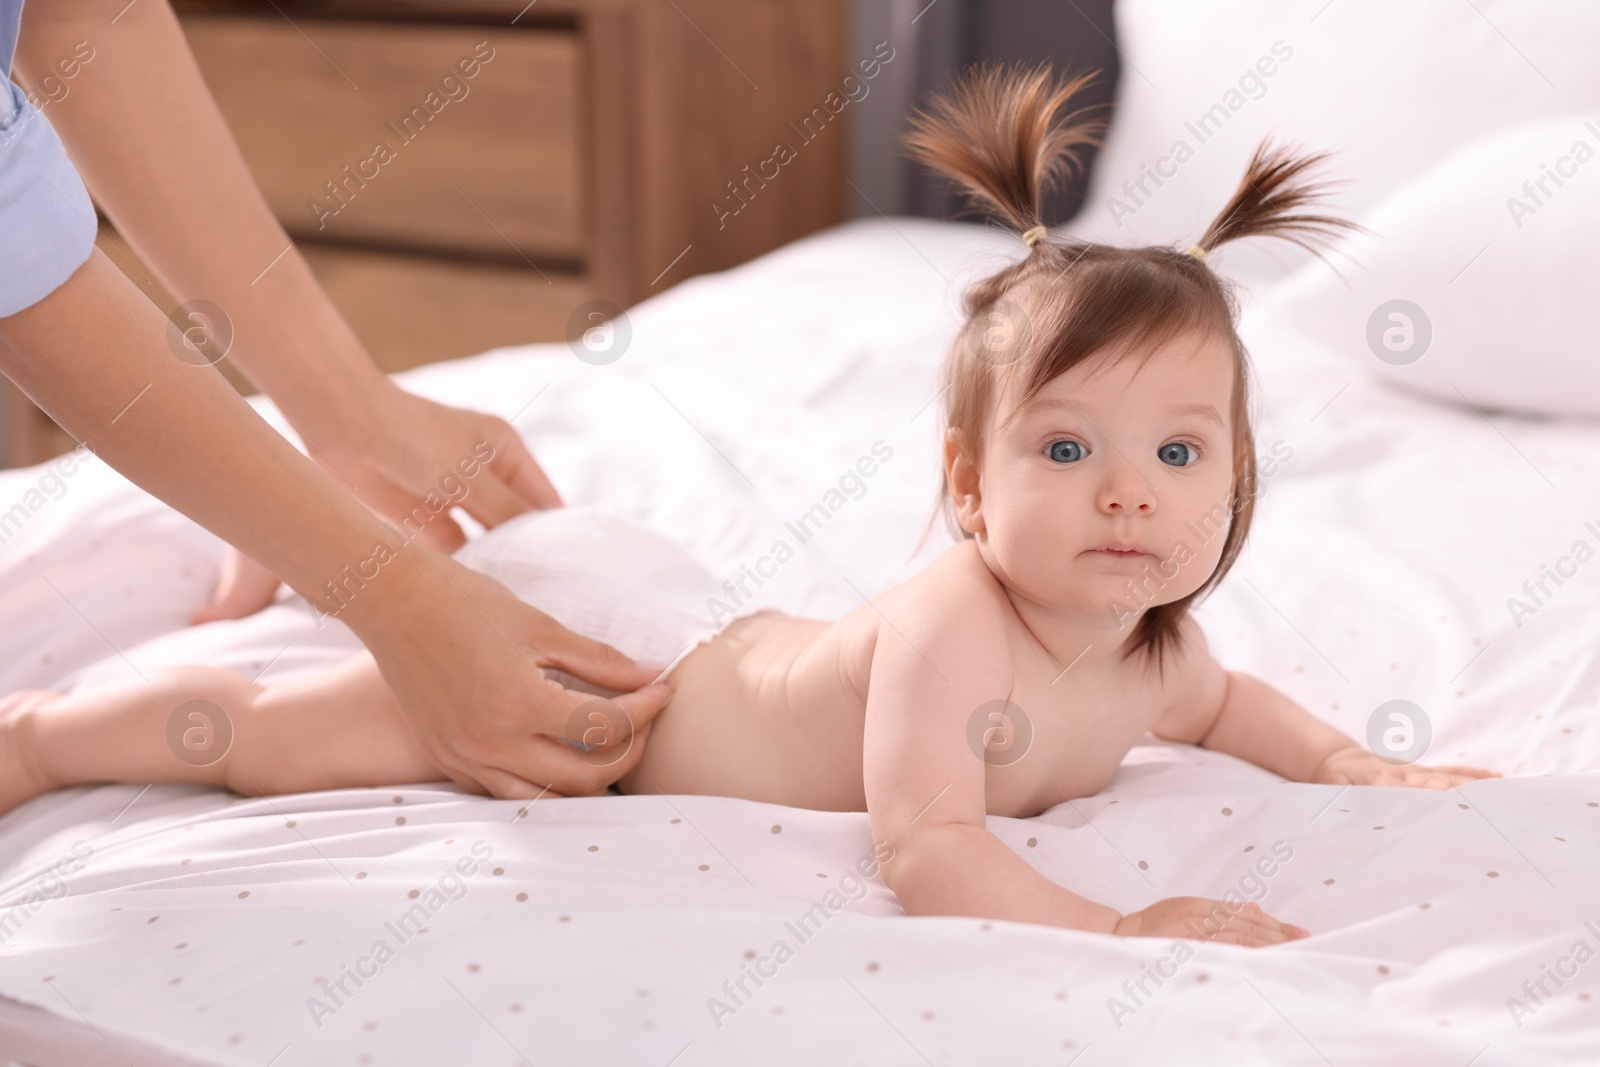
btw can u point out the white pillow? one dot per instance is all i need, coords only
(1478, 284)
(1391, 86)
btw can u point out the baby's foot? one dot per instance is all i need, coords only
(20, 776)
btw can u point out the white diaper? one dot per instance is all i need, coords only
(605, 577)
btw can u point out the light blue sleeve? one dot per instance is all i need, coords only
(47, 224)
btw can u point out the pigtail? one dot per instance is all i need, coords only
(1006, 138)
(1270, 200)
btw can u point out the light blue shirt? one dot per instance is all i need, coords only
(47, 224)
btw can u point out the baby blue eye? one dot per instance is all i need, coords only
(1177, 454)
(1066, 451)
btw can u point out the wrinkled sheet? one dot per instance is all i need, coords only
(684, 930)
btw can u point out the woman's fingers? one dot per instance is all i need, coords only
(514, 465)
(490, 502)
(593, 661)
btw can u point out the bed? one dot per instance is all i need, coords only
(177, 925)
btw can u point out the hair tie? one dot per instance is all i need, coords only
(1034, 236)
(1197, 252)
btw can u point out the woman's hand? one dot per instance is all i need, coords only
(1354, 765)
(1208, 920)
(401, 447)
(391, 455)
(465, 659)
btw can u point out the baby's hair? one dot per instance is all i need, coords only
(1005, 136)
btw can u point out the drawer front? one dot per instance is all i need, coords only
(373, 132)
(410, 310)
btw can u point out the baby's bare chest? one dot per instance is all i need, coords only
(1050, 742)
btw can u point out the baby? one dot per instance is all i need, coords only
(1100, 465)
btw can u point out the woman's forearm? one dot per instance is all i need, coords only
(957, 869)
(163, 166)
(95, 355)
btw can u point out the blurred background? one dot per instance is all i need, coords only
(597, 150)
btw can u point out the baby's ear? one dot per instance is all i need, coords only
(962, 481)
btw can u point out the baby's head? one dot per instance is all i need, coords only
(1097, 397)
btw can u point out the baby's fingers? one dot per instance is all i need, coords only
(1443, 777)
(1250, 937)
(1254, 928)
(1470, 772)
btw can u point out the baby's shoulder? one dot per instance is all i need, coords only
(954, 599)
(941, 639)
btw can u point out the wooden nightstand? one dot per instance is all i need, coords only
(462, 175)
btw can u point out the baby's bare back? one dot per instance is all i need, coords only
(774, 709)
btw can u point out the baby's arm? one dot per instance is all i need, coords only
(1239, 714)
(925, 786)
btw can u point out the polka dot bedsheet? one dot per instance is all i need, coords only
(1395, 547)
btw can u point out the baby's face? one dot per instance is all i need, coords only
(1110, 455)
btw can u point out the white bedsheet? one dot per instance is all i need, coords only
(1384, 553)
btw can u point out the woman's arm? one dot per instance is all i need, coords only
(463, 655)
(153, 148)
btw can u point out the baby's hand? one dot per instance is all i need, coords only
(1357, 766)
(1208, 920)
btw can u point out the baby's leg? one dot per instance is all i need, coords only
(332, 729)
